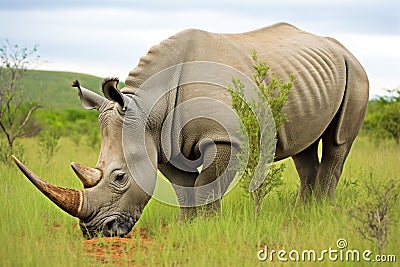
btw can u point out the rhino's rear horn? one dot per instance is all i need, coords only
(69, 200)
(89, 176)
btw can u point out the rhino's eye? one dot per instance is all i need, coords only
(120, 181)
(119, 177)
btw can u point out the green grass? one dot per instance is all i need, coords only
(34, 232)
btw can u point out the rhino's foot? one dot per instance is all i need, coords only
(210, 209)
(305, 196)
(314, 198)
(187, 214)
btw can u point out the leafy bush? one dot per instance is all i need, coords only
(382, 121)
(375, 212)
(49, 142)
(6, 151)
(276, 92)
(73, 124)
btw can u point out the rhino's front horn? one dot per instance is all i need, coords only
(89, 176)
(69, 200)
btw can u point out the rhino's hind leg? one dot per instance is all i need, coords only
(342, 131)
(332, 163)
(307, 165)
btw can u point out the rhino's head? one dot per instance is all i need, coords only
(111, 201)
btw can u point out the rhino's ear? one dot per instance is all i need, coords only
(89, 99)
(111, 92)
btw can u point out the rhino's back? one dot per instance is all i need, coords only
(318, 64)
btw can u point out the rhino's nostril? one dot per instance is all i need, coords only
(117, 226)
(111, 228)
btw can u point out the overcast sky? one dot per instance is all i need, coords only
(107, 38)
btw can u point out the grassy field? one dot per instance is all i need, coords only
(34, 232)
(53, 90)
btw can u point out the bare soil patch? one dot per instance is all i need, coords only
(117, 250)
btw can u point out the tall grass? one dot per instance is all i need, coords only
(34, 232)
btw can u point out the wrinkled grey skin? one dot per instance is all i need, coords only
(107, 206)
(327, 102)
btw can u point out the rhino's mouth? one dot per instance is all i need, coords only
(114, 225)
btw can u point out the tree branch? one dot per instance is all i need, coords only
(6, 133)
(21, 127)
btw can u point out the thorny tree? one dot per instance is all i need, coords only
(15, 111)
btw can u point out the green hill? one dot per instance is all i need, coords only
(53, 89)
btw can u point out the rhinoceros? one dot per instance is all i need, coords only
(327, 102)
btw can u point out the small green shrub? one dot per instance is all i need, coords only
(6, 151)
(276, 93)
(382, 121)
(80, 126)
(49, 142)
(376, 210)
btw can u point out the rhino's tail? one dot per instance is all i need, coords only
(354, 103)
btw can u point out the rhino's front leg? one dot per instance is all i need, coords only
(182, 182)
(213, 181)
